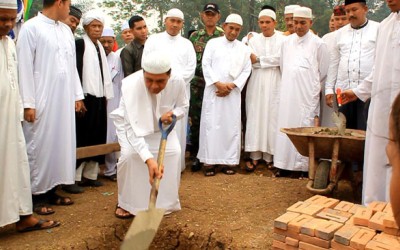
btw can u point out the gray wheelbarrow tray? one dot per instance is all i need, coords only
(309, 143)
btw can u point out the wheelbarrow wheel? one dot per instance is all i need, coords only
(322, 175)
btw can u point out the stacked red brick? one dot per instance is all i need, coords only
(327, 223)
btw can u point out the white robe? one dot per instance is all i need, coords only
(140, 139)
(49, 83)
(304, 65)
(183, 60)
(262, 95)
(384, 82)
(326, 111)
(15, 189)
(117, 74)
(220, 125)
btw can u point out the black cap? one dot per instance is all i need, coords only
(268, 7)
(347, 2)
(74, 11)
(211, 7)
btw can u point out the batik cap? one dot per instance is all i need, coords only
(234, 18)
(8, 4)
(74, 11)
(156, 62)
(339, 10)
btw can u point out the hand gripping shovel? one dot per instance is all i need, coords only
(145, 225)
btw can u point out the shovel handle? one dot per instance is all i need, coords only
(160, 158)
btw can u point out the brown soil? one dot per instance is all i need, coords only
(220, 212)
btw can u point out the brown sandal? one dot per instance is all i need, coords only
(209, 170)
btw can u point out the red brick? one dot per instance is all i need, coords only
(289, 247)
(292, 242)
(354, 209)
(377, 206)
(296, 223)
(279, 237)
(376, 221)
(387, 239)
(389, 221)
(337, 246)
(362, 216)
(278, 244)
(327, 231)
(315, 241)
(344, 206)
(388, 209)
(391, 231)
(313, 209)
(287, 233)
(297, 207)
(344, 234)
(361, 238)
(309, 227)
(316, 199)
(282, 221)
(375, 245)
(334, 215)
(308, 246)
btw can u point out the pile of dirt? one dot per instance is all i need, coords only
(220, 212)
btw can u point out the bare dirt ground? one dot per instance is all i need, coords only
(220, 212)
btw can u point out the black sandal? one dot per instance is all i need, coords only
(59, 200)
(252, 166)
(209, 170)
(38, 209)
(228, 170)
(124, 217)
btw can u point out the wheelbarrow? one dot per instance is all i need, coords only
(324, 143)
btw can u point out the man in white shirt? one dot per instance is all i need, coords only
(149, 95)
(183, 59)
(352, 59)
(304, 65)
(382, 86)
(114, 64)
(226, 67)
(262, 95)
(288, 14)
(49, 86)
(15, 190)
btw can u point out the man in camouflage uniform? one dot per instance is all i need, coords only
(210, 17)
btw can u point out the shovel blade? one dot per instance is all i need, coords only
(143, 229)
(340, 121)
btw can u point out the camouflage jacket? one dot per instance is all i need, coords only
(199, 38)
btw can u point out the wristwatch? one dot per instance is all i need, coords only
(257, 59)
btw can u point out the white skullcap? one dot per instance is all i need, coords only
(303, 12)
(174, 13)
(91, 15)
(107, 31)
(156, 62)
(234, 18)
(8, 4)
(290, 8)
(125, 26)
(267, 12)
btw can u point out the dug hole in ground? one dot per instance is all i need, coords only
(220, 212)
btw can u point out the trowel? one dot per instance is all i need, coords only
(338, 118)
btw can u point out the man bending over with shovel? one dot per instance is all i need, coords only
(148, 95)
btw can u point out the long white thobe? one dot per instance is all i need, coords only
(304, 65)
(220, 125)
(133, 177)
(352, 56)
(326, 111)
(117, 74)
(15, 189)
(183, 62)
(262, 95)
(49, 83)
(383, 85)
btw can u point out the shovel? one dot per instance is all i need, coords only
(338, 118)
(145, 225)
